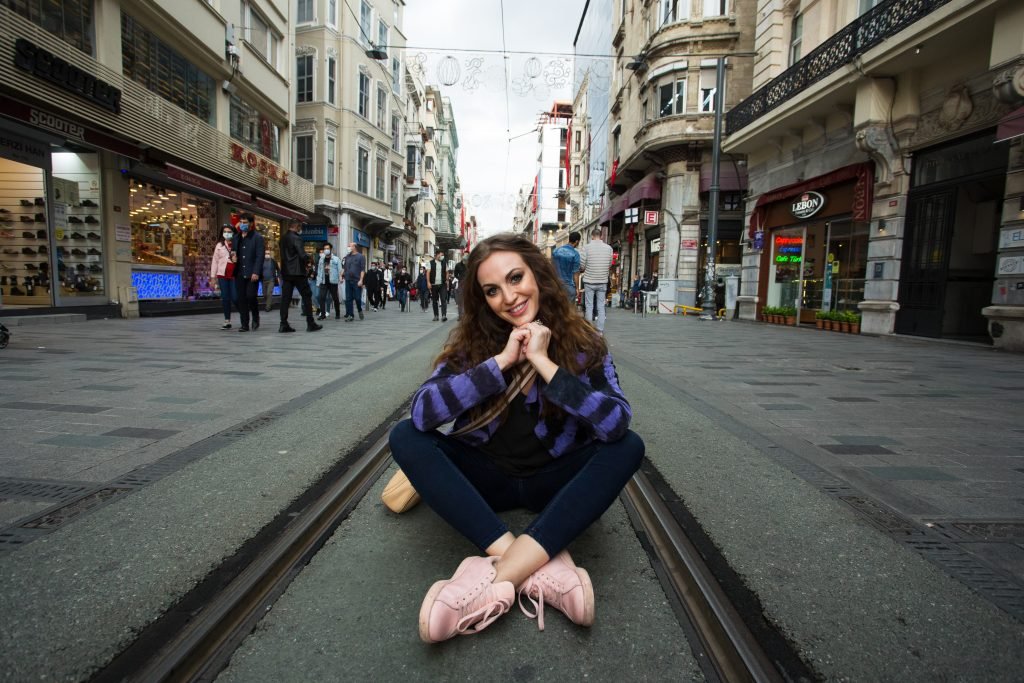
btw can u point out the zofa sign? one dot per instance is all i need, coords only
(807, 204)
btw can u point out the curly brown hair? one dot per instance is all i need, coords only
(575, 345)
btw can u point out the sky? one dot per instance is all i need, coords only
(443, 36)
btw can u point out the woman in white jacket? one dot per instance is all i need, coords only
(222, 268)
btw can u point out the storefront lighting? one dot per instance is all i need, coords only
(881, 226)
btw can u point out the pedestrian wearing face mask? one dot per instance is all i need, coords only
(222, 268)
(437, 281)
(249, 249)
(271, 273)
(294, 263)
(328, 273)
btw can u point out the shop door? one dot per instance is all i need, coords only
(925, 263)
(785, 281)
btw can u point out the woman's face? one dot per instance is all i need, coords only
(509, 287)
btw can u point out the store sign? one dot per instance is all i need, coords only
(789, 249)
(22, 150)
(650, 217)
(48, 66)
(267, 170)
(807, 204)
(313, 233)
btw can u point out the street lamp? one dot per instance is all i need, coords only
(708, 304)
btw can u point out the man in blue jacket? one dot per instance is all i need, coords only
(248, 249)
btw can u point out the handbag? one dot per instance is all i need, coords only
(399, 495)
(229, 269)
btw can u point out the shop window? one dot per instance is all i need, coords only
(253, 129)
(160, 69)
(304, 156)
(69, 20)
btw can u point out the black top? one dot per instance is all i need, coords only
(514, 448)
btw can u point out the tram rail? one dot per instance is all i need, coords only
(201, 648)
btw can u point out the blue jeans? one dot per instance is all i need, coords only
(466, 489)
(589, 292)
(353, 293)
(227, 295)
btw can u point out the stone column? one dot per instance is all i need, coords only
(1006, 314)
(681, 209)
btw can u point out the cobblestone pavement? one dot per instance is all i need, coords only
(91, 402)
(915, 434)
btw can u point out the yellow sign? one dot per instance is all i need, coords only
(59, 234)
(835, 267)
(831, 258)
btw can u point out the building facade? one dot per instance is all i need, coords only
(886, 174)
(662, 101)
(129, 133)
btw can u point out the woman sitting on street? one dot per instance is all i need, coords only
(561, 447)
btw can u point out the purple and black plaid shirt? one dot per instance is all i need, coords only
(594, 405)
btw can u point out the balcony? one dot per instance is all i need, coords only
(870, 29)
(669, 131)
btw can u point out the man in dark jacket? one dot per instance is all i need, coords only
(294, 265)
(249, 248)
(403, 283)
(373, 281)
(437, 281)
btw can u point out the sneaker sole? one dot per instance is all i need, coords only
(431, 598)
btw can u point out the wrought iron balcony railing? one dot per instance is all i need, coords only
(866, 31)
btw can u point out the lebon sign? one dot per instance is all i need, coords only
(807, 204)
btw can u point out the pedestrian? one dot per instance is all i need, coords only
(595, 264)
(222, 270)
(437, 281)
(567, 264)
(328, 275)
(271, 274)
(373, 279)
(294, 262)
(311, 267)
(422, 288)
(403, 282)
(560, 447)
(354, 271)
(249, 249)
(387, 290)
(460, 275)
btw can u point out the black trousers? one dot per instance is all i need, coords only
(248, 300)
(372, 297)
(332, 289)
(288, 285)
(439, 293)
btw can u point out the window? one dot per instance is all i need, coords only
(363, 170)
(364, 95)
(159, 68)
(426, 218)
(579, 137)
(429, 162)
(305, 13)
(673, 10)
(70, 20)
(672, 96)
(615, 139)
(576, 175)
(715, 8)
(731, 201)
(332, 12)
(329, 156)
(381, 174)
(382, 107)
(796, 38)
(410, 162)
(304, 156)
(365, 22)
(396, 197)
(866, 5)
(708, 94)
(253, 129)
(332, 67)
(304, 78)
(383, 39)
(645, 112)
(396, 75)
(396, 129)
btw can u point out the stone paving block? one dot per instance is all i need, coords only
(106, 387)
(851, 399)
(783, 406)
(920, 473)
(83, 441)
(180, 400)
(142, 433)
(864, 439)
(857, 449)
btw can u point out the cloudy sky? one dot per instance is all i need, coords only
(443, 38)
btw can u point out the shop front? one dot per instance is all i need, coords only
(814, 243)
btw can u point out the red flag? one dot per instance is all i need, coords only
(536, 181)
(615, 169)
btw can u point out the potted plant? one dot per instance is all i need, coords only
(789, 314)
(844, 322)
(766, 314)
(854, 323)
(819, 319)
(828, 318)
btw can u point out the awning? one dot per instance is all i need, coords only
(617, 206)
(863, 190)
(649, 187)
(731, 177)
(1010, 126)
(278, 210)
(204, 184)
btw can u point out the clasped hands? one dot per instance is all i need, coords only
(527, 343)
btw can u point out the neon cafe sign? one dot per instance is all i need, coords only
(789, 249)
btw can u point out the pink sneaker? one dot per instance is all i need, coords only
(564, 586)
(466, 603)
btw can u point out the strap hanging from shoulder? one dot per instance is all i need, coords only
(520, 379)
